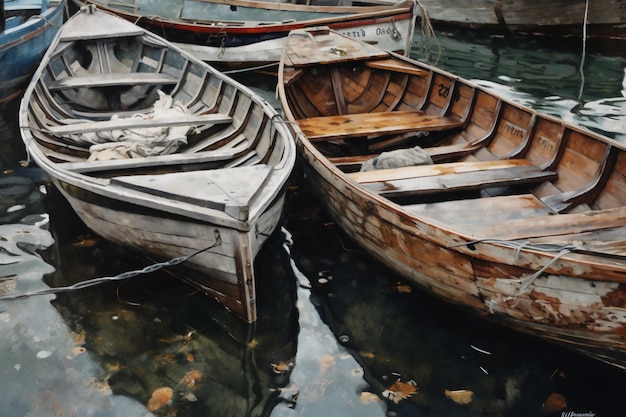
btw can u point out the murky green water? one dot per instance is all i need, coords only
(335, 332)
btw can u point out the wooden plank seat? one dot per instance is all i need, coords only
(230, 190)
(396, 66)
(524, 217)
(155, 161)
(368, 124)
(131, 123)
(454, 176)
(112, 80)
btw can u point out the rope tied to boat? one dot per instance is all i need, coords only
(528, 245)
(428, 33)
(120, 277)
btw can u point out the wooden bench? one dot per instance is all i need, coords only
(454, 176)
(155, 161)
(367, 124)
(133, 123)
(112, 80)
(524, 217)
(396, 66)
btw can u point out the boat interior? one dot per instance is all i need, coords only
(19, 12)
(102, 83)
(498, 170)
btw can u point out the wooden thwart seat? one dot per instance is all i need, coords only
(112, 80)
(524, 217)
(152, 161)
(130, 123)
(455, 176)
(396, 66)
(367, 124)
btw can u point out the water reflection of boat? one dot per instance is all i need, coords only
(512, 214)
(560, 18)
(149, 337)
(26, 29)
(159, 152)
(248, 33)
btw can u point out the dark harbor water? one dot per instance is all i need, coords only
(337, 335)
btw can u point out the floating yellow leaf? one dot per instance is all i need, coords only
(554, 403)
(253, 343)
(160, 398)
(368, 355)
(191, 378)
(86, 243)
(282, 367)
(403, 288)
(460, 396)
(400, 390)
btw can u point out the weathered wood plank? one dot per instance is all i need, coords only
(367, 124)
(230, 189)
(553, 225)
(472, 216)
(397, 66)
(112, 80)
(436, 169)
(462, 181)
(130, 123)
(152, 161)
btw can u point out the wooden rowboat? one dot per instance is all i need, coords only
(212, 162)
(28, 27)
(600, 19)
(246, 33)
(499, 209)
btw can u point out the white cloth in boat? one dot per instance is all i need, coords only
(140, 142)
(398, 158)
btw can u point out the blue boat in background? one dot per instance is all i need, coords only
(28, 29)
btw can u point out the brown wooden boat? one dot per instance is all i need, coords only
(159, 152)
(599, 19)
(499, 209)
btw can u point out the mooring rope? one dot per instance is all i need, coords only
(519, 246)
(428, 33)
(125, 275)
(584, 51)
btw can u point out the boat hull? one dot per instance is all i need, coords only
(243, 38)
(559, 18)
(503, 211)
(22, 46)
(220, 258)
(401, 243)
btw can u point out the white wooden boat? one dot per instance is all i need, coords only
(247, 33)
(507, 212)
(158, 151)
